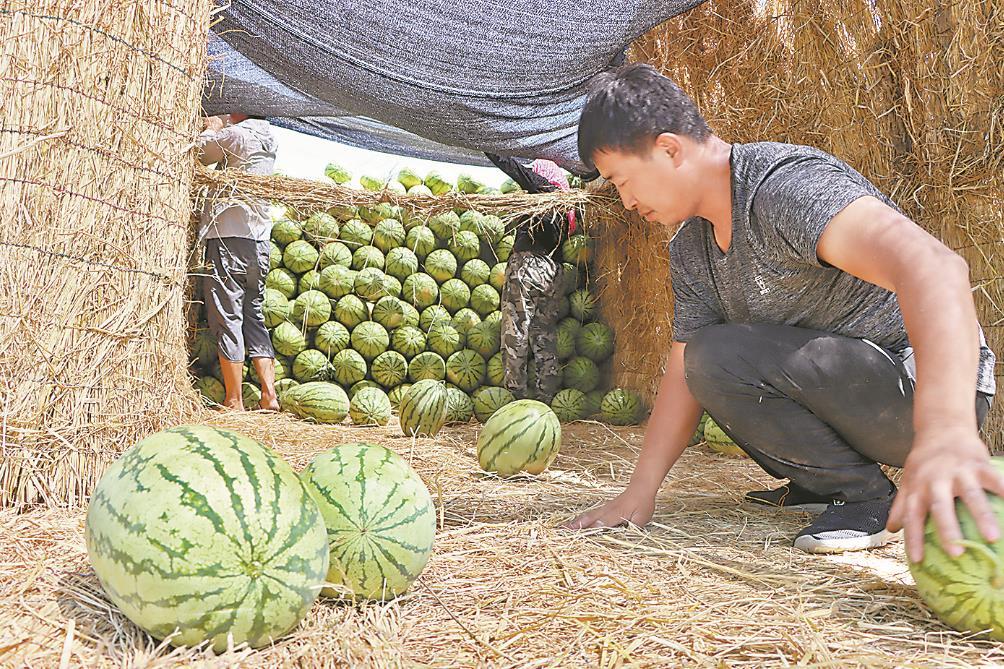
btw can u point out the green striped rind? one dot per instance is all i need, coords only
(495, 370)
(389, 312)
(370, 406)
(206, 532)
(380, 519)
(427, 366)
(348, 367)
(621, 407)
(423, 408)
(288, 340)
(504, 248)
(454, 295)
(459, 407)
(421, 241)
(595, 341)
(441, 265)
(401, 263)
(965, 592)
(396, 394)
(337, 281)
(282, 280)
(331, 337)
(370, 339)
(310, 365)
(497, 276)
(388, 234)
(465, 245)
(581, 373)
(489, 399)
(566, 343)
(485, 338)
(309, 281)
(484, 300)
(420, 290)
(431, 316)
(366, 257)
(286, 231)
(444, 340)
(212, 390)
(318, 401)
(369, 284)
(718, 441)
(464, 320)
(582, 305)
(299, 256)
(570, 404)
(334, 253)
(356, 387)
(389, 369)
(475, 272)
(523, 436)
(355, 233)
(321, 228)
(577, 250)
(408, 340)
(465, 369)
(310, 309)
(275, 308)
(350, 311)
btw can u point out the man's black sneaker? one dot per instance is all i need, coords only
(848, 526)
(790, 496)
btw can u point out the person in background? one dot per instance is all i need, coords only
(532, 292)
(237, 243)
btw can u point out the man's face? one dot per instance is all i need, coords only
(657, 182)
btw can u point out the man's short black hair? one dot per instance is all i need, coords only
(627, 108)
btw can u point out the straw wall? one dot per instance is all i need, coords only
(910, 94)
(100, 104)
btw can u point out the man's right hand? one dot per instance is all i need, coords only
(630, 506)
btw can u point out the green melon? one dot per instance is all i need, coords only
(420, 189)
(286, 232)
(355, 233)
(407, 178)
(437, 313)
(495, 370)
(570, 404)
(522, 436)
(343, 212)
(331, 337)
(411, 316)
(310, 365)
(370, 339)
(211, 389)
(465, 246)
(375, 214)
(621, 407)
(287, 339)
(388, 234)
(570, 324)
(509, 186)
(412, 217)
(310, 309)
(445, 225)
(485, 338)
(370, 406)
(389, 312)
(444, 340)
(391, 286)
(334, 253)
(420, 290)
(380, 519)
(421, 241)
(401, 263)
(299, 256)
(369, 284)
(396, 394)
(282, 385)
(337, 173)
(485, 300)
(494, 319)
(250, 396)
(350, 311)
(698, 435)
(595, 341)
(569, 278)
(468, 184)
(581, 373)
(489, 399)
(464, 320)
(360, 385)
(454, 295)
(282, 280)
(348, 367)
(475, 272)
(423, 408)
(594, 398)
(389, 369)
(719, 442)
(471, 220)
(492, 229)
(459, 407)
(200, 534)
(582, 305)
(274, 256)
(321, 228)
(408, 340)
(465, 369)
(441, 265)
(371, 183)
(577, 250)
(367, 256)
(427, 366)
(337, 281)
(496, 279)
(311, 280)
(275, 308)
(437, 184)
(504, 248)
(205, 348)
(566, 343)
(316, 401)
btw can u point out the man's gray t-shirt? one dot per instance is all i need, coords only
(783, 196)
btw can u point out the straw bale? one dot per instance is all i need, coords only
(909, 94)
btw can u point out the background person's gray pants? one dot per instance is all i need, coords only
(234, 288)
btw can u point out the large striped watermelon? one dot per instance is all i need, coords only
(459, 407)
(380, 519)
(275, 308)
(348, 367)
(288, 340)
(464, 320)
(475, 272)
(441, 265)
(437, 313)
(370, 285)
(204, 532)
(334, 253)
(286, 231)
(489, 399)
(360, 385)
(595, 341)
(570, 404)
(212, 390)
(484, 300)
(319, 401)
(392, 287)
(321, 228)
(407, 178)
(337, 281)
(408, 340)
(282, 280)
(331, 337)
(396, 394)
(370, 339)
(424, 408)
(444, 340)
(720, 442)
(421, 241)
(310, 365)
(577, 250)
(388, 234)
(420, 290)
(496, 279)
(411, 315)
(581, 373)
(566, 343)
(427, 366)
(274, 256)
(299, 256)
(401, 263)
(251, 396)
(389, 369)
(465, 245)
(355, 233)
(523, 436)
(365, 257)
(582, 305)
(444, 225)
(495, 370)
(311, 280)
(504, 248)
(454, 295)
(485, 338)
(350, 311)
(310, 309)
(370, 406)
(621, 407)
(465, 369)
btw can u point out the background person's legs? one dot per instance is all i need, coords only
(518, 305)
(543, 334)
(224, 292)
(256, 337)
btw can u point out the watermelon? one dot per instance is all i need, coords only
(566, 343)
(423, 408)
(310, 365)
(621, 407)
(275, 307)
(203, 535)
(412, 218)
(577, 250)
(485, 338)
(465, 246)
(420, 189)
(408, 340)
(471, 220)
(369, 406)
(495, 370)
(444, 340)
(359, 385)
(371, 183)
(401, 263)
(582, 305)
(489, 399)
(311, 280)
(355, 233)
(274, 256)
(464, 320)
(337, 173)
(282, 385)
(388, 234)
(570, 404)
(370, 339)
(212, 390)
(594, 398)
(494, 319)
(454, 295)
(367, 256)
(698, 435)
(389, 369)
(468, 184)
(484, 300)
(509, 186)
(331, 337)
(282, 280)
(465, 369)
(582, 374)
(522, 436)
(496, 278)
(350, 311)
(334, 253)
(459, 407)
(389, 312)
(445, 225)
(310, 309)
(321, 228)
(348, 367)
(437, 313)
(299, 256)
(475, 272)
(570, 324)
(492, 229)
(380, 519)
(250, 396)
(437, 184)
(569, 278)
(286, 232)
(421, 241)
(374, 215)
(420, 290)
(391, 286)
(205, 347)
(396, 394)
(411, 316)
(595, 341)
(337, 281)
(343, 212)
(719, 442)
(369, 284)
(504, 248)
(288, 340)
(427, 366)
(441, 265)
(281, 368)
(407, 178)
(316, 401)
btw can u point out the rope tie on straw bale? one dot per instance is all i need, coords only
(95, 263)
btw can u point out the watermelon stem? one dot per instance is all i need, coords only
(992, 556)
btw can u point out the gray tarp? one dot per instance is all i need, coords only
(434, 79)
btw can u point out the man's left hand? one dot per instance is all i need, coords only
(214, 123)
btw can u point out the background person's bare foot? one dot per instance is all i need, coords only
(233, 405)
(269, 403)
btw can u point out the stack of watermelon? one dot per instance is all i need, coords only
(382, 297)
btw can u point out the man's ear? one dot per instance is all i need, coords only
(669, 144)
